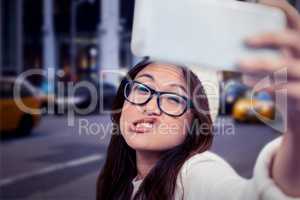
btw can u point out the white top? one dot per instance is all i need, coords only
(206, 176)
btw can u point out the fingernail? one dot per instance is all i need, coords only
(252, 40)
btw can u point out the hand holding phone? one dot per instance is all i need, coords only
(208, 33)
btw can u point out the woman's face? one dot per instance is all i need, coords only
(146, 127)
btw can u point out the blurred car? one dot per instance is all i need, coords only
(233, 91)
(46, 94)
(57, 101)
(109, 93)
(62, 103)
(61, 100)
(104, 95)
(260, 107)
(13, 119)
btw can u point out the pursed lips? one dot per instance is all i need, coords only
(143, 125)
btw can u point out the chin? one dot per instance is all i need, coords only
(142, 144)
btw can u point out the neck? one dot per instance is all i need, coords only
(145, 161)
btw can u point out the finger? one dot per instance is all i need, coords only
(263, 64)
(285, 39)
(252, 80)
(292, 14)
(286, 53)
(292, 89)
(271, 66)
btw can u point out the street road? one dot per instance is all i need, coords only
(62, 162)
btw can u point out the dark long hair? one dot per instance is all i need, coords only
(115, 179)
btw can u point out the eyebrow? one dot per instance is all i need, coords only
(147, 76)
(172, 85)
(180, 86)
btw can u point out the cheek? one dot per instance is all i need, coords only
(169, 133)
(177, 129)
(129, 112)
(126, 112)
(182, 127)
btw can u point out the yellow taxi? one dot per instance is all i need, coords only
(14, 118)
(260, 107)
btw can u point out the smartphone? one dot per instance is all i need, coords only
(207, 33)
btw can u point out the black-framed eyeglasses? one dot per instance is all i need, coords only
(169, 103)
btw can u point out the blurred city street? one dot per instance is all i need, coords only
(61, 162)
(59, 59)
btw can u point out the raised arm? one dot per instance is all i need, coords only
(285, 169)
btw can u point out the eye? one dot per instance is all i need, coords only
(174, 99)
(140, 89)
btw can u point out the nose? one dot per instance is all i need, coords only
(151, 107)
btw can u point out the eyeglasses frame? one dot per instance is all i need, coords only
(189, 102)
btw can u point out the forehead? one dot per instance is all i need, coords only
(163, 73)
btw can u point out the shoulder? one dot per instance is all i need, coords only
(207, 169)
(207, 162)
(207, 174)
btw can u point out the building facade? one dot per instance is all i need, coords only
(80, 36)
(76, 36)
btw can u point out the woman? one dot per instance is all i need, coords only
(164, 129)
